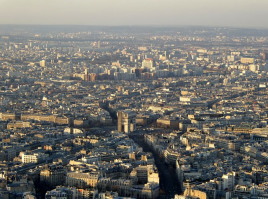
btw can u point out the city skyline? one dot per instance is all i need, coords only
(133, 112)
(129, 12)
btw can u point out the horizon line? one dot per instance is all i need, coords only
(142, 25)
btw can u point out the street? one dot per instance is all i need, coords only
(169, 184)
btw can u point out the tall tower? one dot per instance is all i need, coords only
(86, 75)
(119, 121)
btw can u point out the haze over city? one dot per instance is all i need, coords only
(234, 13)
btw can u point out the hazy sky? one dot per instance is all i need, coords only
(241, 13)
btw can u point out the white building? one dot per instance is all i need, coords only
(229, 181)
(148, 63)
(33, 158)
